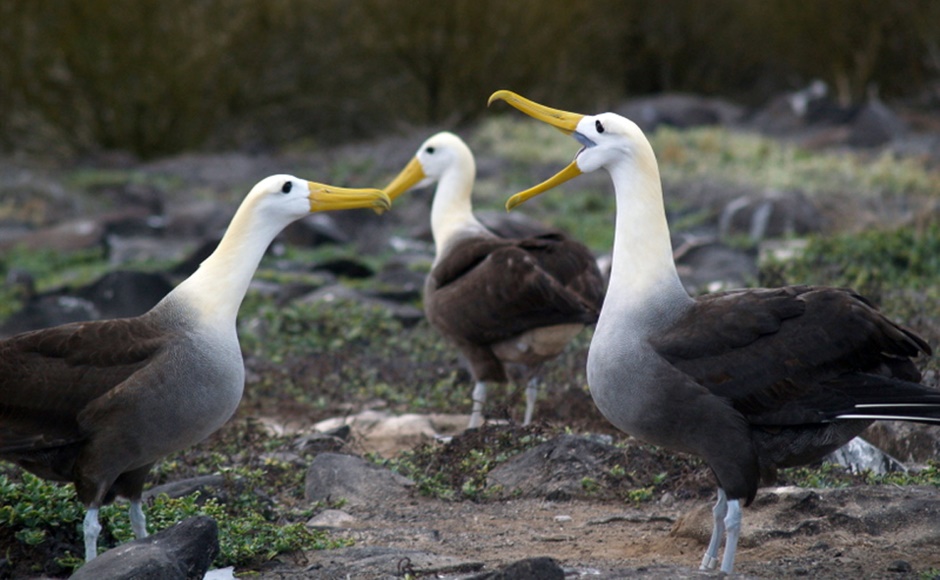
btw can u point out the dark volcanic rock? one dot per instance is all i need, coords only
(529, 569)
(909, 442)
(314, 230)
(345, 267)
(555, 469)
(114, 295)
(332, 476)
(183, 551)
(398, 282)
(875, 125)
(679, 110)
(809, 106)
(208, 486)
(47, 311)
(126, 293)
(406, 313)
(770, 214)
(191, 263)
(512, 225)
(704, 263)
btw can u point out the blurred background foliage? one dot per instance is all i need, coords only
(156, 77)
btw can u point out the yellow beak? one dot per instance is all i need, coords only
(410, 175)
(562, 176)
(328, 197)
(561, 120)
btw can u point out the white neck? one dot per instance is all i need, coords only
(452, 208)
(217, 288)
(643, 277)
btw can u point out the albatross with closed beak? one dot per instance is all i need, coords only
(498, 298)
(98, 403)
(749, 380)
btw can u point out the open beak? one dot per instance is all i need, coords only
(562, 120)
(409, 176)
(562, 176)
(328, 197)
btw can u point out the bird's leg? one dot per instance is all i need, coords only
(733, 527)
(719, 512)
(531, 393)
(91, 528)
(138, 519)
(478, 398)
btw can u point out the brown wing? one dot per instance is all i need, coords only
(47, 377)
(794, 355)
(488, 289)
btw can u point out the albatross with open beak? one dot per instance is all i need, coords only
(749, 380)
(498, 298)
(98, 403)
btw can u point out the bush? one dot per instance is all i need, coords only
(161, 76)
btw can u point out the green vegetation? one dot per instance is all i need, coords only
(342, 350)
(717, 154)
(260, 507)
(832, 475)
(458, 470)
(842, 184)
(87, 75)
(899, 270)
(49, 269)
(322, 359)
(720, 155)
(871, 262)
(93, 179)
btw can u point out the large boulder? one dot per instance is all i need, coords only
(334, 477)
(183, 551)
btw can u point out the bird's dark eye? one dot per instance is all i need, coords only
(286, 187)
(599, 126)
(429, 150)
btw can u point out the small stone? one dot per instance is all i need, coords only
(562, 518)
(529, 569)
(902, 566)
(330, 519)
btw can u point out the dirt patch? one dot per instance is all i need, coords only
(853, 532)
(605, 539)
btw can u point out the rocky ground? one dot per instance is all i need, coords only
(559, 500)
(543, 509)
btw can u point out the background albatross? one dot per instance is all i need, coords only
(98, 403)
(749, 380)
(499, 298)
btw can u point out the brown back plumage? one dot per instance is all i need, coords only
(488, 289)
(50, 377)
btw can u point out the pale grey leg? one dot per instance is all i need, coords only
(478, 397)
(92, 528)
(531, 394)
(138, 520)
(733, 527)
(710, 559)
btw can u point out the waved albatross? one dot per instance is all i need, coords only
(98, 403)
(500, 299)
(749, 380)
